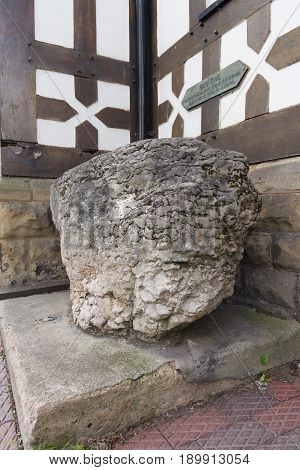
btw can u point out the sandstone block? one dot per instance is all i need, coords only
(14, 263)
(287, 252)
(152, 234)
(14, 189)
(20, 220)
(44, 248)
(41, 189)
(270, 285)
(258, 249)
(280, 213)
(280, 176)
(24, 262)
(45, 260)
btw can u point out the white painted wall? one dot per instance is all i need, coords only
(113, 28)
(54, 22)
(172, 22)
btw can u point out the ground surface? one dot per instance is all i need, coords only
(248, 418)
(8, 433)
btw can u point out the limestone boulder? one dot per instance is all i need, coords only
(152, 234)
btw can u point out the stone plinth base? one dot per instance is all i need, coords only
(69, 385)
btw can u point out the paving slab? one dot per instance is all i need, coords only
(69, 385)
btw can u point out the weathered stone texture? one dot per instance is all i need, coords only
(29, 247)
(258, 249)
(26, 261)
(274, 242)
(20, 220)
(270, 285)
(280, 213)
(13, 262)
(286, 252)
(152, 234)
(41, 189)
(275, 177)
(15, 189)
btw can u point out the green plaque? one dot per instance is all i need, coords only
(215, 85)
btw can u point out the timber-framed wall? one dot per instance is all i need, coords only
(68, 82)
(68, 86)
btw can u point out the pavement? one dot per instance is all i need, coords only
(247, 419)
(8, 432)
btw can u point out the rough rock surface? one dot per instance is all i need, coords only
(152, 234)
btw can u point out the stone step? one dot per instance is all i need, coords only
(69, 385)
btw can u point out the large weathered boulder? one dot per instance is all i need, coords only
(152, 234)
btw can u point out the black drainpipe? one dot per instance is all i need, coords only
(144, 68)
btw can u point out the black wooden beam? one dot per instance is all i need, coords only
(33, 289)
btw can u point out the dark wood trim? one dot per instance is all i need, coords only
(86, 90)
(268, 137)
(40, 161)
(257, 98)
(196, 7)
(178, 80)
(34, 289)
(54, 110)
(85, 25)
(133, 72)
(259, 28)
(114, 117)
(86, 137)
(155, 68)
(17, 71)
(178, 127)
(215, 26)
(81, 64)
(164, 111)
(211, 65)
(286, 50)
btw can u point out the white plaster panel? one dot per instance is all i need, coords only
(114, 95)
(172, 22)
(58, 134)
(113, 28)
(54, 22)
(285, 16)
(164, 88)
(285, 89)
(55, 85)
(193, 71)
(209, 2)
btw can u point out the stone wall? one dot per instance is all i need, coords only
(29, 244)
(269, 276)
